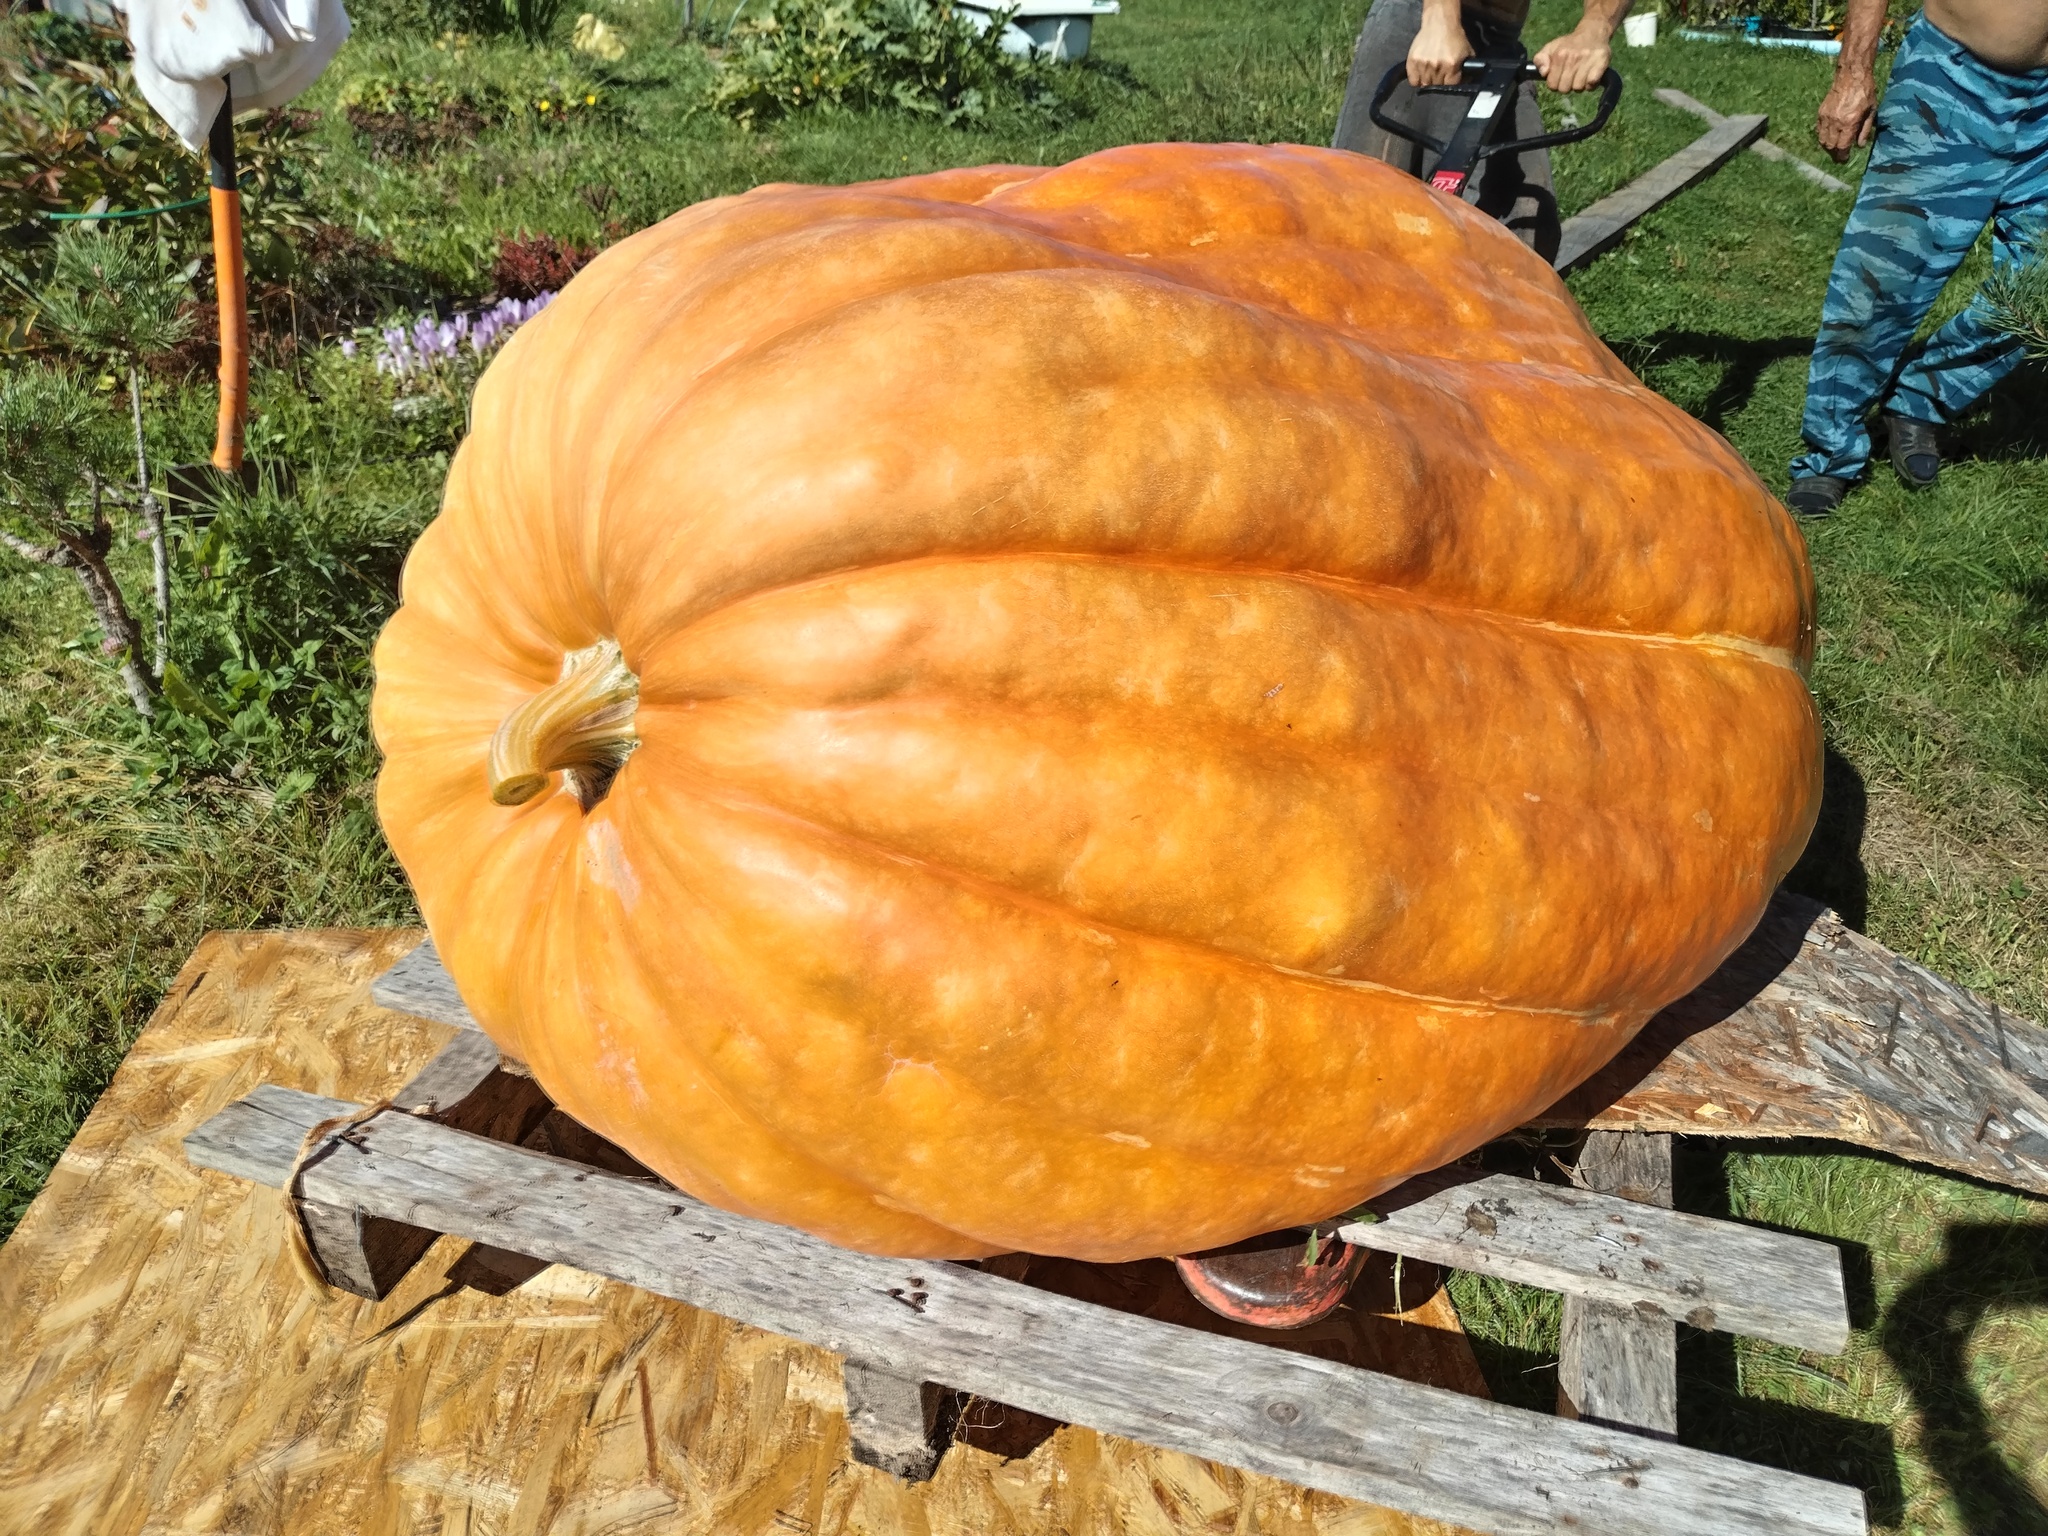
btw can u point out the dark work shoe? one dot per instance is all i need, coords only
(1816, 495)
(1916, 450)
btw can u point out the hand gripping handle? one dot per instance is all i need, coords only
(1475, 73)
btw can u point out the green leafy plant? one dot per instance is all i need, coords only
(423, 97)
(922, 56)
(533, 20)
(284, 598)
(1818, 15)
(409, 115)
(73, 129)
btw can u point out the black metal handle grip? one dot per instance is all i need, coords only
(1475, 69)
(1610, 98)
(1388, 81)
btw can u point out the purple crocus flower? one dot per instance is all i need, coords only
(429, 342)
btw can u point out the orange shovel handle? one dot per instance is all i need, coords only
(231, 287)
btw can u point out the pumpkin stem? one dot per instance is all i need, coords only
(581, 727)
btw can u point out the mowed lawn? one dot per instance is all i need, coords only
(1932, 672)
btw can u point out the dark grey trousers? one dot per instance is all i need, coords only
(1513, 188)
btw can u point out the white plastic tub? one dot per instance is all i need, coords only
(1058, 29)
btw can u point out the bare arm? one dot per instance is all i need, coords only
(1576, 61)
(1848, 115)
(1440, 47)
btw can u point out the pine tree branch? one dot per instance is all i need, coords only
(42, 554)
(153, 519)
(117, 624)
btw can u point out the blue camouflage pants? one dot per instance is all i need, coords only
(1958, 143)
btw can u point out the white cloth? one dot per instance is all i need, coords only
(269, 50)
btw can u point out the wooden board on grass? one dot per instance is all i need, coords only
(1599, 229)
(164, 1366)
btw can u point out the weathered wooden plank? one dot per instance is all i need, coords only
(1807, 1030)
(1811, 1029)
(462, 1086)
(364, 1254)
(458, 1070)
(1763, 148)
(893, 1421)
(1319, 1424)
(257, 1137)
(420, 985)
(250, 1138)
(1660, 1263)
(1599, 228)
(361, 1254)
(1628, 1166)
(1615, 1366)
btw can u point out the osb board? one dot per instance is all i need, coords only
(165, 1368)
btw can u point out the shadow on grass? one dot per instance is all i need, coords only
(1927, 1332)
(2012, 423)
(1713, 1413)
(2030, 626)
(1831, 869)
(1521, 1378)
(1742, 364)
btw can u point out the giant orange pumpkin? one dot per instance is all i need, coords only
(1166, 694)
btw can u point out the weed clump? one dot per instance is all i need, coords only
(921, 56)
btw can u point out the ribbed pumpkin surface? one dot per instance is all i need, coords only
(1175, 691)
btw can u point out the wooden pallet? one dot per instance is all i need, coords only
(1629, 1267)
(165, 1365)
(380, 1191)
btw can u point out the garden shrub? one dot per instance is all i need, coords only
(528, 266)
(923, 56)
(74, 129)
(533, 20)
(408, 115)
(281, 600)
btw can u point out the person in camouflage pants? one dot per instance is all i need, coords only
(1958, 143)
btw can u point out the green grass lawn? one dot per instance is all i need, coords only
(1932, 671)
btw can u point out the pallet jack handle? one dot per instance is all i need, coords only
(231, 288)
(1492, 84)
